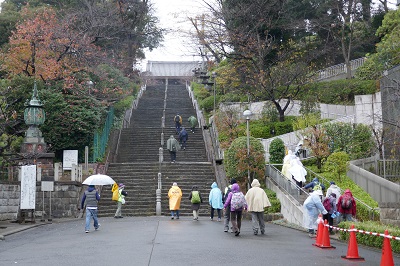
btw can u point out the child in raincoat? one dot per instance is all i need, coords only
(120, 201)
(175, 196)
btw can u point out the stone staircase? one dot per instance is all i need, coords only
(137, 163)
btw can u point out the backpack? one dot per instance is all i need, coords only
(347, 202)
(317, 186)
(237, 201)
(177, 118)
(226, 195)
(327, 204)
(195, 197)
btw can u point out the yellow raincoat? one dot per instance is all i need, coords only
(175, 196)
(114, 190)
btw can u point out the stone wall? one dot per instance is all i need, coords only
(390, 213)
(65, 200)
(9, 199)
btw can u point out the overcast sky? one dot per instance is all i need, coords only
(173, 16)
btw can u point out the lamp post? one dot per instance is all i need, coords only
(214, 75)
(90, 85)
(248, 114)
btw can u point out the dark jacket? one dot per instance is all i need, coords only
(91, 197)
(313, 183)
(183, 135)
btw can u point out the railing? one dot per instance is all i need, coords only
(101, 138)
(286, 185)
(339, 69)
(323, 180)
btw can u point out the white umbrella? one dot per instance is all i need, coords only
(98, 180)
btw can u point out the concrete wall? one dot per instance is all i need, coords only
(9, 201)
(379, 188)
(390, 213)
(64, 200)
(291, 210)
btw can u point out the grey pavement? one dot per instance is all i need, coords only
(161, 241)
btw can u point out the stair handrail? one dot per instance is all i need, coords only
(201, 120)
(371, 210)
(288, 186)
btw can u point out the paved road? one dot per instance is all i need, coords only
(161, 241)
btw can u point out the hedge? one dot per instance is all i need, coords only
(371, 240)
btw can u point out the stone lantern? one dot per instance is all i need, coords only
(34, 116)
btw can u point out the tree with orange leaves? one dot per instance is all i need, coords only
(42, 47)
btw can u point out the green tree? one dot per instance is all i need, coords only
(237, 163)
(276, 151)
(387, 50)
(337, 162)
(357, 140)
(71, 120)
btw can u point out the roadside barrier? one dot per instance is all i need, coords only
(352, 249)
(323, 241)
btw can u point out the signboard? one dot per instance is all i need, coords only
(47, 186)
(70, 157)
(28, 187)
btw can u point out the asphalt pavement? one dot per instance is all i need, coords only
(162, 241)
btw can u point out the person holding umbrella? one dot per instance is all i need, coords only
(91, 197)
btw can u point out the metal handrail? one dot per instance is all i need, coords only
(288, 186)
(370, 209)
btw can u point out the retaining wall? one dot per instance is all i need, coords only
(65, 200)
(290, 210)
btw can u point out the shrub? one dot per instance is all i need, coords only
(337, 162)
(276, 151)
(283, 127)
(237, 163)
(275, 203)
(260, 131)
(207, 104)
(371, 240)
(199, 91)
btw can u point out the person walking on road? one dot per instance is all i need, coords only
(346, 206)
(227, 212)
(193, 123)
(312, 208)
(195, 198)
(91, 197)
(178, 123)
(172, 147)
(175, 196)
(257, 200)
(238, 203)
(183, 137)
(215, 200)
(121, 200)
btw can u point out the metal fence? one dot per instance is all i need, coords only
(100, 139)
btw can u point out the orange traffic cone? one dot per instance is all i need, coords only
(352, 250)
(387, 256)
(326, 241)
(318, 241)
